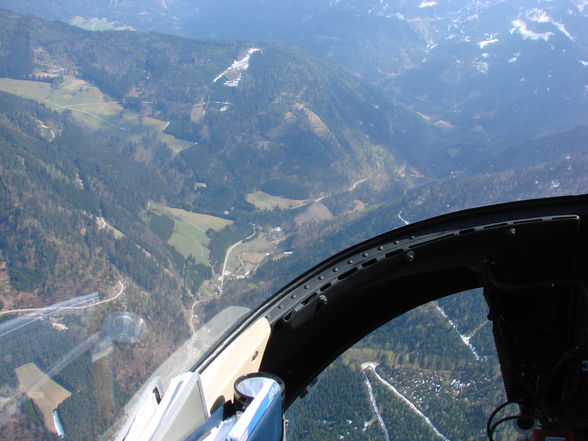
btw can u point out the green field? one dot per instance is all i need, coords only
(97, 24)
(91, 107)
(189, 236)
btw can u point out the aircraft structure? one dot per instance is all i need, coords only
(530, 258)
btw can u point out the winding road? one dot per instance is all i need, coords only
(66, 308)
(350, 188)
(227, 254)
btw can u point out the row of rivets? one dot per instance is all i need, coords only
(410, 256)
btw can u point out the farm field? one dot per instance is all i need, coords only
(42, 390)
(91, 107)
(189, 235)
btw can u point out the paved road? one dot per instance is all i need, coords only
(66, 308)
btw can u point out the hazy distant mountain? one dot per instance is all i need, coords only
(492, 69)
(508, 68)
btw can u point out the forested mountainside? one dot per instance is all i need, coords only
(128, 142)
(128, 135)
(289, 115)
(555, 167)
(58, 185)
(441, 388)
(72, 222)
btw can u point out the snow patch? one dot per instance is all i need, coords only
(538, 16)
(408, 402)
(485, 43)
(464, 338)
(581, 5)
(563, 30)
(401, 218)
(383, 6)
(235, 71)
(79, 181)
(583, 63)
(481, 66)
(45, 127)
(57, 424)
(374, 404)
(59, 326)
(521, 27)
(427, 4)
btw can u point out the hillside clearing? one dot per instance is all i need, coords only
(189, 235)
(201, 221)
(92, 108)
(42, 390)
(265, 201)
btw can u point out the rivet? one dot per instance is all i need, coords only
(380, 248)
(350, 261)
(410, 256)
(364, 254)
(280, 306)
(511, 232)
(335, 269)
(321, 277)
(293, 296)
(396, 242)
(323, 299)
(307, 286)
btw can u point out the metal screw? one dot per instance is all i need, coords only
(323, 299)
(410, 256)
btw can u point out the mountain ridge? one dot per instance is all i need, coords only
(284, 105)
